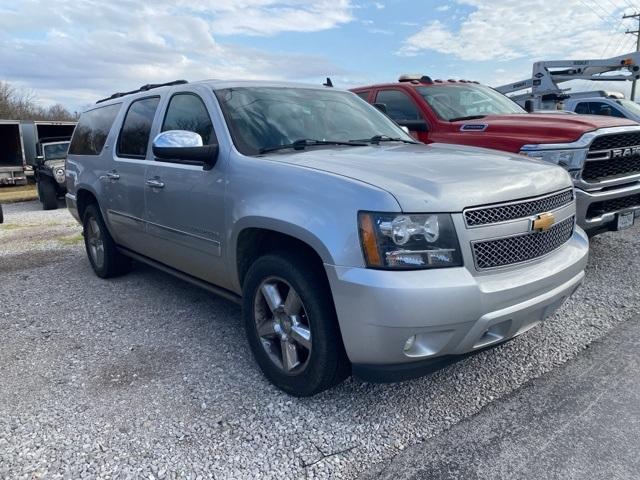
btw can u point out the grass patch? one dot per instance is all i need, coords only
(70, 239)
(21, 193)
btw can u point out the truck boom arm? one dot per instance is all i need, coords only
(546, 75)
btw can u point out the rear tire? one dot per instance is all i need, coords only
(104, 257)
(319, 359)
(47, 194)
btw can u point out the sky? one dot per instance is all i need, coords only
(77, 51)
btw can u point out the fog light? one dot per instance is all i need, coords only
(408, 345)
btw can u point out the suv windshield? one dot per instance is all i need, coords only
(261, 118)
(461, 101)
(55, 151)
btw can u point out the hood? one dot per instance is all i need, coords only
(52, 164)
(436, 177)
(512, 131)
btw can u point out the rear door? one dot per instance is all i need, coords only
(184, 201)
(125, 179)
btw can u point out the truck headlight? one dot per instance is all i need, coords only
(58, 173)
(571, 159)
(408, 241)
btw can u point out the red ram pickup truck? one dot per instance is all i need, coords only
(602, 154)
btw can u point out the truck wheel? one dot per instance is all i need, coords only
(291, 325)
(47, 195)
(103, 255)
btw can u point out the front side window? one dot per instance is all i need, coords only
(399, 105)
(462, 100)
(602, 108)
(136, 128)
(363, 95)
(264, 117)
(93, 128)
(186, 111)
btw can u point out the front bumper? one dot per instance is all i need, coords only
(449, 311)
(601, 220)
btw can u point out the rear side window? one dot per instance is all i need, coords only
(399, 105)
(582, 108)
(186, 111)
(91, 133)
(136, 128)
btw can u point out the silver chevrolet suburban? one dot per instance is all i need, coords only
(351, 247)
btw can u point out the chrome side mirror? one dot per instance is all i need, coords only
(183, 146)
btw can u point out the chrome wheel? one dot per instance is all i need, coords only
(95, 242)
(282, 324)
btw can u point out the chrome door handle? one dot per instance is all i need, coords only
(155, 183)
(113, 175)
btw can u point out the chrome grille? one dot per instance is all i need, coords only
(520, 248)
(514, 210)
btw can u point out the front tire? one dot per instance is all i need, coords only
(291, 325)
(104, 257)
(47, 194)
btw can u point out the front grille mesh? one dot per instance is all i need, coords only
(517, 249)
(512, 211)
(598, 208)
(616, 140)
(602, 169)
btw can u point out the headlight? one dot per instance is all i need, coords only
(399, 241)
(58, 173)
(572, 159)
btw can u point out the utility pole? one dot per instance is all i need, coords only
(637, 34)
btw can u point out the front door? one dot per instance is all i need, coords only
(184, 202)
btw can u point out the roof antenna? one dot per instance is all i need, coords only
(328, 83)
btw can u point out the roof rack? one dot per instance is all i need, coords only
(143, 88)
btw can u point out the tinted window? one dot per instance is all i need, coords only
(363, 95)
(601, 108)
(582, 108)
(399, 105)
(187, 112)
(91, 133)
(134, 136)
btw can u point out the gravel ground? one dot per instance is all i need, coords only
(146, 376)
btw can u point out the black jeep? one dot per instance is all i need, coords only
(49, 170)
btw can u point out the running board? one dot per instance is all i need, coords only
(221, 292)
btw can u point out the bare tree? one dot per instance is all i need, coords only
(21, 104)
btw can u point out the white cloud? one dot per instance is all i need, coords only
(75, 52)
(378, 5)
(507, 29)
(443, 8)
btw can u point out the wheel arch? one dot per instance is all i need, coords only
(261, 236)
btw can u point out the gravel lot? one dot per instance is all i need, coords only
(147, 376)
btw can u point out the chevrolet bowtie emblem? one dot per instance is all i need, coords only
(543, 222)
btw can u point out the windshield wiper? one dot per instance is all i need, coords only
(469, 117)
(376, 139)
(308, 142)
